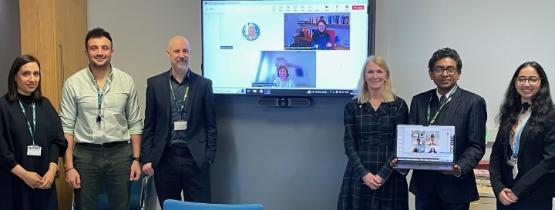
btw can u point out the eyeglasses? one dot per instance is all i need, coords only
(532, 80)
(441, 69)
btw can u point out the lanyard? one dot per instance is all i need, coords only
(431, 121)
(181, 107)
(31, 129)
(100, 99)
(516, 146)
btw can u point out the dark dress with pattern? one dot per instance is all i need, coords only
(14, 139)
(370, 145)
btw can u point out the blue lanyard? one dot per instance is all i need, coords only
(31, 129)
(516, 146)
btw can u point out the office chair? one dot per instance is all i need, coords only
(185, 205)
(139, 190)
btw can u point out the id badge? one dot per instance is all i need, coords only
(180, 125)
(34, 150)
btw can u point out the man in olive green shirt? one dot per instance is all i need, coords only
(102, 124)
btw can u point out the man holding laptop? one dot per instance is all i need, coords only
(449, 105)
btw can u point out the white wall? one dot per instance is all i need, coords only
(493, 38)
(140, 30)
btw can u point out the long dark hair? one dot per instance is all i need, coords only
(12, 85)
(541, 107)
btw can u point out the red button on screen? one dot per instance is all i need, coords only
(358, 7)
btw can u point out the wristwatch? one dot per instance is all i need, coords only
(138, 159)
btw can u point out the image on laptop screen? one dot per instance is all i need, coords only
(425, 147)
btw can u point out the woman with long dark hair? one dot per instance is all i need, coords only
(522, 162)
(31, 140)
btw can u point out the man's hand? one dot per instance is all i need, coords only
(147, 168)
(506, 197)
(135, 171)
(456, 171)
(512, 196)
(73, 178)
(393, 162)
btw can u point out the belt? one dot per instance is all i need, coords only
(103, 145)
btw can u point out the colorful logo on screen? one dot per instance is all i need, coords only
(251, 31)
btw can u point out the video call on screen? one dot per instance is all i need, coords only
(284, 47)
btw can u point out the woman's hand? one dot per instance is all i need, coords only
(49, 177)
(372, 181)
(32, 179)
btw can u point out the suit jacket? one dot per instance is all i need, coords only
(467, 112)
(201, 120)
(536, 163)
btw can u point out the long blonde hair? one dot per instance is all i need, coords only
(387, 91)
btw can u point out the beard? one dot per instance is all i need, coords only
(182, 65)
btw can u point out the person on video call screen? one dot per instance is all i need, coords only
(283, 79)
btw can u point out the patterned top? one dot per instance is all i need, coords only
(370, 145)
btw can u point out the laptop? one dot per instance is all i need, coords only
(425, 147)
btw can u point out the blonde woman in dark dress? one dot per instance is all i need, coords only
(369, 182)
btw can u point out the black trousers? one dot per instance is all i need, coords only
(434, 203)
(178, 172)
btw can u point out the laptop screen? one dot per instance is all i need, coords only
(433, 144)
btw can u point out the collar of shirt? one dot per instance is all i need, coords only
(187, 78)
(448, 93)
(106, 83)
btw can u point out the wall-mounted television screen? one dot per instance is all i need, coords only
(286, 47)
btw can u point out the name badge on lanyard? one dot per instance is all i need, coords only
(180, 125)
(32, 150)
